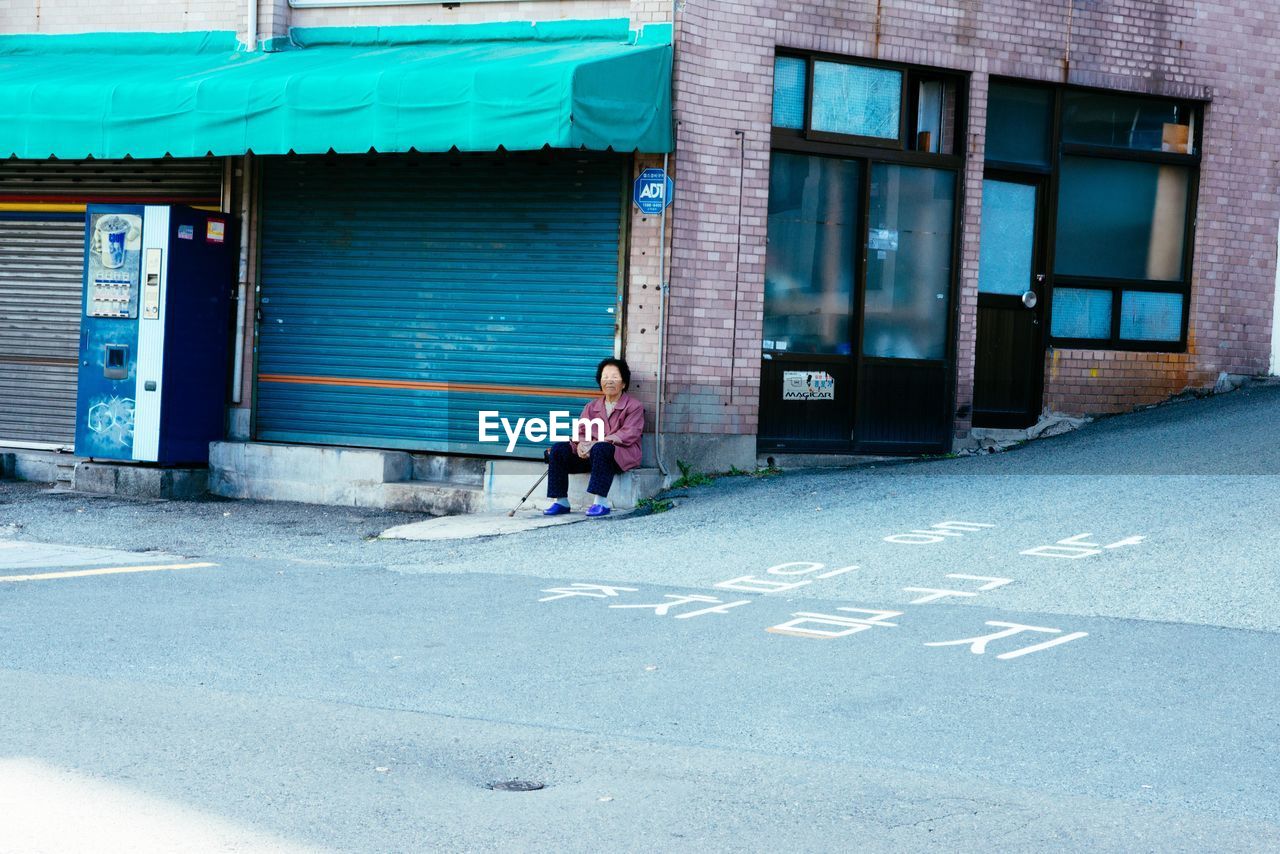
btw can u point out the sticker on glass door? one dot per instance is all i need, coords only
(808, 385)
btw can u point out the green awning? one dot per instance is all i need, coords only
(519, 86)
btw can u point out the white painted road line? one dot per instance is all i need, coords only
(25, 556)
(114, 570)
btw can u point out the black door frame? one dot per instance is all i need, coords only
(901, 151)
(1038, 285)
(779, 360)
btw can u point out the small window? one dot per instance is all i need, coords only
(1147, 316)
(789, 92)
(1007, 244)
(935, 116)
(1019, 124)
(1124, 121)
(857, 100)
(1121, 219)
(1081, 313)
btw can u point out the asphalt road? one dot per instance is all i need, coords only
(315, 689)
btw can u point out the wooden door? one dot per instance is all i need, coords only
(1009, 373)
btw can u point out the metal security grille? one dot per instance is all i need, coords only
(191, 182)
(40, 272)
(402, 295)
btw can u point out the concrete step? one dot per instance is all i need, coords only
(40, 466)
(508, 480)
(434, 497)
(424, 483)
(137, 481)
(442, 468)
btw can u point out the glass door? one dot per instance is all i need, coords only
(904, 377)
(806, 377)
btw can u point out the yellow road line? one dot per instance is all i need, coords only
(80, 573)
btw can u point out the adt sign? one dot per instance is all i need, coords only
(652, 191)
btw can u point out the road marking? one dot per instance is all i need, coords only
(21, 556)
(114, 570)
(937, 533)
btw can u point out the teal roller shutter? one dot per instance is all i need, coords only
(401, 295)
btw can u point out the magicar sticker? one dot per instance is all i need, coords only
(808, 385)
(217, 231)
(186, 232)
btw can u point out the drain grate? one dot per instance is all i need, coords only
(516, 786)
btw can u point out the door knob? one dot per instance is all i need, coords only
(1029, 299)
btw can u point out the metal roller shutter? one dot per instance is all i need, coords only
(42, 270)
(400, 295)
(40, 280)
(190, 182)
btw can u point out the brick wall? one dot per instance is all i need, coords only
(1095, 382)
(275, 16)
(1179, 48)
(464, 13)
(82, 16)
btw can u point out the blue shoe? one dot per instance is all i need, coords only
(595, 511)
(556, 509)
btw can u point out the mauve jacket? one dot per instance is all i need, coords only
(625, 426)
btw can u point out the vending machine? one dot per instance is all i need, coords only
(153, 335)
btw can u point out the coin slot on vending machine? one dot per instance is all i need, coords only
(151, 285)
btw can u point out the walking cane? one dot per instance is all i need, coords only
(535, 485)
(512, 512)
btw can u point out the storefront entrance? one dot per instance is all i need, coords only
(860, 270)
(1009, 370)
(856, 331)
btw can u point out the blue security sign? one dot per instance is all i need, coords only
(652, 191)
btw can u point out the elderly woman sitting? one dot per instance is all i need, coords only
(619, 451)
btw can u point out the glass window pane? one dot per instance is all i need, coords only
(909, 244)
(1122, 220)
(1079, 313)
(1125, 121)
(857, 100)
(788, 92)
(1019, 122)
(1008, 237)
(1148, 316)
(929, 116)
(808, 285)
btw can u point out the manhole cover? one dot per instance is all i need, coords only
(516, 786)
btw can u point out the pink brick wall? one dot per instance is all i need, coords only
(463, 13)
(1168, 47)
(82, 16)
(275, 16)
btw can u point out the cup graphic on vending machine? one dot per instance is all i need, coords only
(110, 237)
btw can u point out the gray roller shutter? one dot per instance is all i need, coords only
(40, 282)
(189, 182)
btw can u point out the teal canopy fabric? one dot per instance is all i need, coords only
(593, 85)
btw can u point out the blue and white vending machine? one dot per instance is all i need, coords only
(153, 337)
